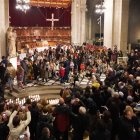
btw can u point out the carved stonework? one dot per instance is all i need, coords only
(11, 42)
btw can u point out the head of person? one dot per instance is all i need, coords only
(44, 102)
(45, 110)
(106, 115)
(23, 115)
(61, 101)
(34, 104)
(26, 60)
(128, 114)
(16, 121)
(82, 110)
(3, 57)
(28, 101)
(46, 133)
(9, 65)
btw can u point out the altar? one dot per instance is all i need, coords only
(40, 37)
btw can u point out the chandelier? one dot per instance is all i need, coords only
(23, 5)
(100, 8)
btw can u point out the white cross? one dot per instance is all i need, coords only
(52, 20)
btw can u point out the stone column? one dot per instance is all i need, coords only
(83, 9)
(108, 23)
(78, 21)
(124, 25)
(78, 18)
(116, 24)
(75, 21)
(4, 24)
(120, 32)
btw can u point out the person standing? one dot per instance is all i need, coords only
(62, 73)
(2, 79)
(36, 69)
(20, 75)
(62, 120)
(81, 123)
(10, 75)
(24, 64)
(126, 129)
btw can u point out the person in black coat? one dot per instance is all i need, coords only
(2, 79)
(127, 129)
(2, 71)
(81, 123)
(45, 120)
(4, 130)
(34, 119)
(36, 70)
(46, 134)
(100, 132)
(39, 129)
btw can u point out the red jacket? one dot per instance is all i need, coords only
(82, 66)
(62, 122)
(62, 72)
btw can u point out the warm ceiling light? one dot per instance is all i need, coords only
(51, 3)
(23, 5)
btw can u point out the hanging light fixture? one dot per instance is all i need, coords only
(23, 5)
(100, 8)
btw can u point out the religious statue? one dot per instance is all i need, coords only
(11, 42)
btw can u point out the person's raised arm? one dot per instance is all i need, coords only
(11, 118)
(28, 116)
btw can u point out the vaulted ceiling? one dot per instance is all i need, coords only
(51, 3)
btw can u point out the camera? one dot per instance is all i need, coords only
(4, 115)
(21, 137)
(23, 107)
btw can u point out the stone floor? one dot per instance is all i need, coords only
(50, 89)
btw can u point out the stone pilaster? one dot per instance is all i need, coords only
(4, 24)
(108, 23)
(116, 24)
(78, 21)
(74, 16)
(124, 25)
(83, 9)
(120, 32)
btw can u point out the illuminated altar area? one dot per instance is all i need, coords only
(41, 23)
(41, 37)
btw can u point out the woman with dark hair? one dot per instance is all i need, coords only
(17, 126)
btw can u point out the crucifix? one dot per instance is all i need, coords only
(52, 20)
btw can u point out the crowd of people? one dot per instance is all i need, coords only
(105, 110)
